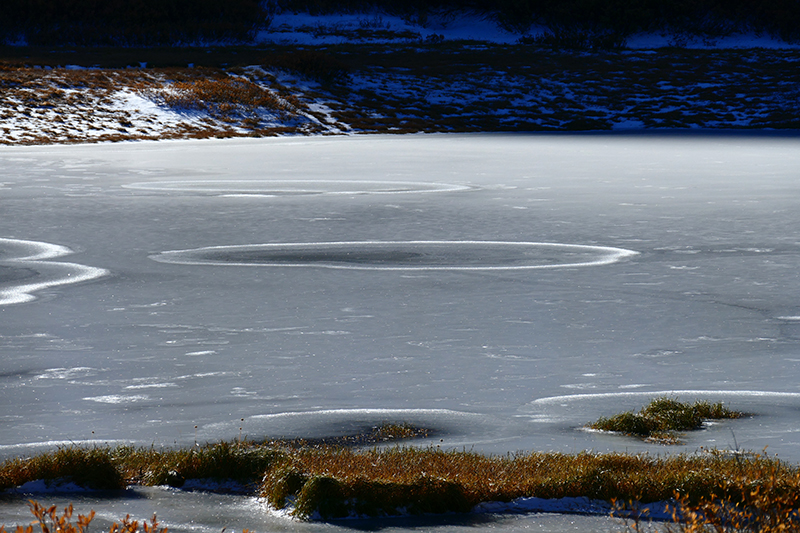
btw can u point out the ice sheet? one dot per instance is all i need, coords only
(493, 360)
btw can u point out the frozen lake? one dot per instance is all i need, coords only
(502, 290)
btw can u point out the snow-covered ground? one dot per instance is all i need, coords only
(72, 105)
(452, 74)
(405, 90)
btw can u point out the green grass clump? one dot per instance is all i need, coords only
(662, 417)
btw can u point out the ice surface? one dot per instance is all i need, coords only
(23, 270)
(493, 360)
(402, 255)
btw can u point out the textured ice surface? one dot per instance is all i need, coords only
(494, 360)
(402, 255)
(25, 271)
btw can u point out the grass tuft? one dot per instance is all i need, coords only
(392, 481)
(663, 417)
(283, 483)
(223, 97)
(324, 495)
(241, 462)
(90, 468)
(332, 498)
(386, 432)
(330, 481)
(246, 462)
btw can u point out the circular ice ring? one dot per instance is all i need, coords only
(402, 255)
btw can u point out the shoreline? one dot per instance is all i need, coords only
(401, 88)
(343, 478)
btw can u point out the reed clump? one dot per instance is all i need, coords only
(328, 497)
(662, 418)
(236, 461)
(90, 468)
(242, 461)
(772, 506)
(769, 504)
(353, 480)
(223, 96)
(328, 479)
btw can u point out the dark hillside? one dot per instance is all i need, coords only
(780, 18)
(601, 23)
(126, 23)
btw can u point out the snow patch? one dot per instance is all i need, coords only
(117, 398)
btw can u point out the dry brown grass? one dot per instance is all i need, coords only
(92, 468)
(401, 88)
(70, 106)
(241, 460)
(223, 97)
(767, 504)
(607, 477)
(332, 478)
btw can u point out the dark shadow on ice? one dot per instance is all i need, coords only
(359, 257)
(423, 523)
(78, 497)
(403, 255)
(12, 274)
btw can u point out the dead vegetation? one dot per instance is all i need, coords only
(467, 479)
(448, 87)
(337, 478)
(48, 520)
(39, 105)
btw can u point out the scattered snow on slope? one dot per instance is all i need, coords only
(302, 28)
(376, 27)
